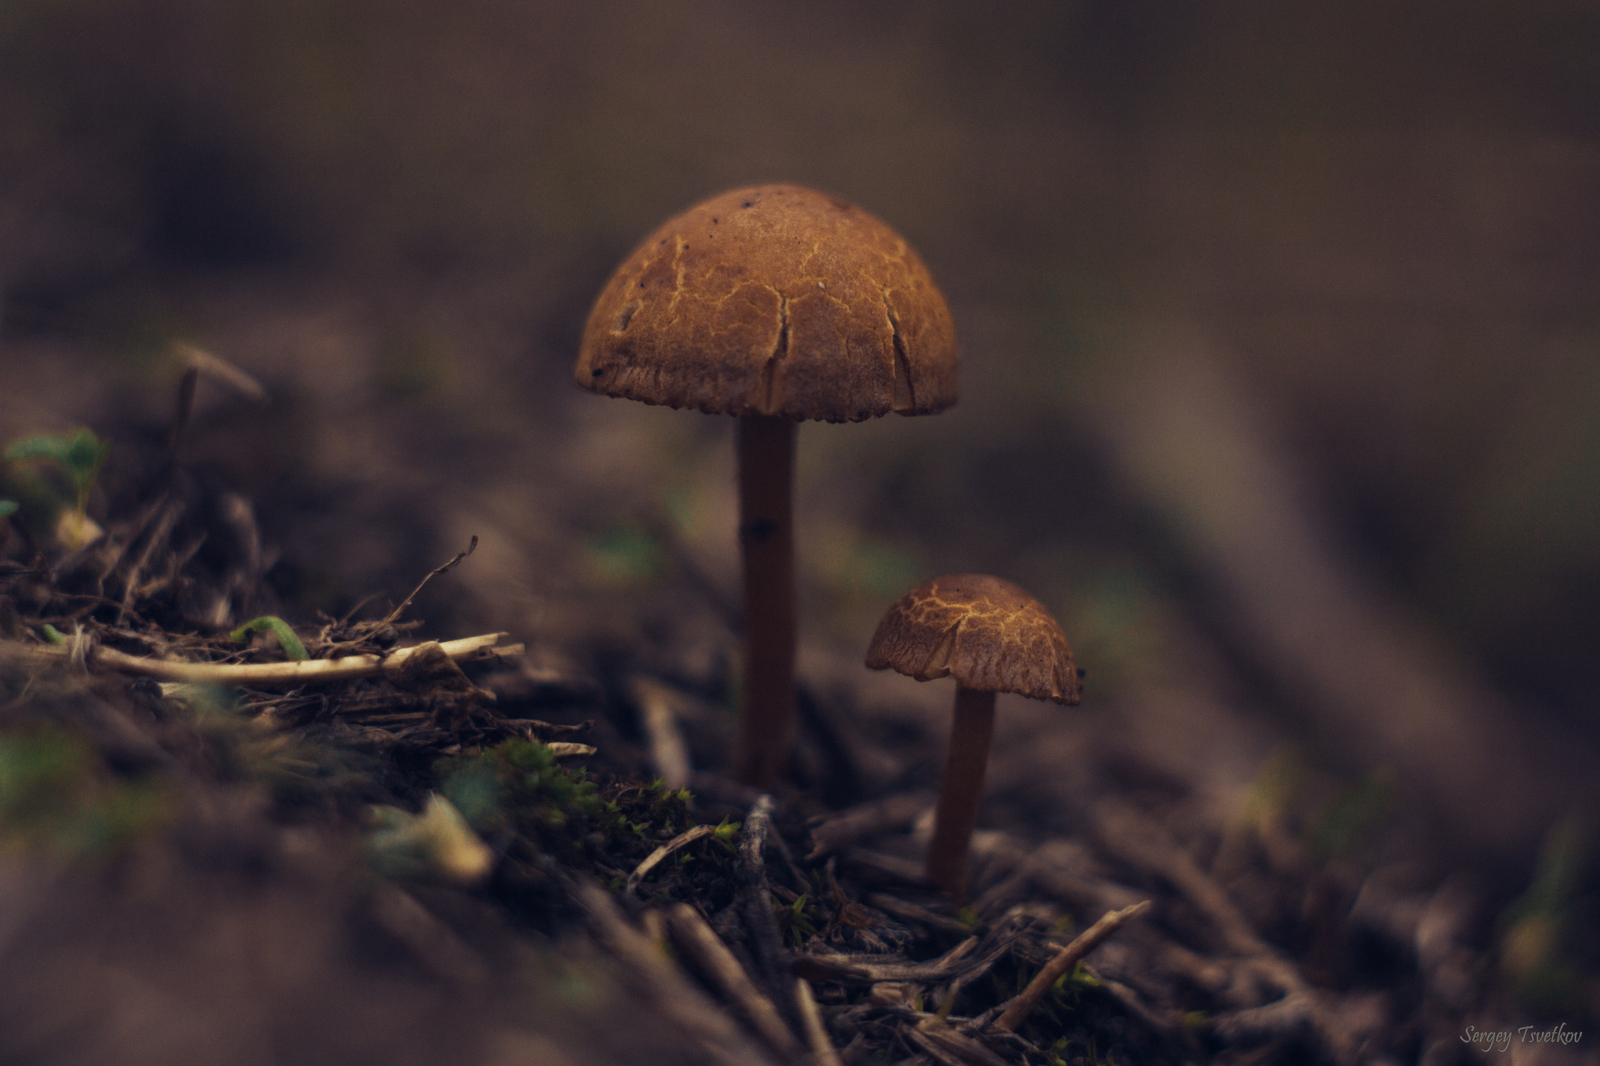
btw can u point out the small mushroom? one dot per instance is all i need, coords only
(777, 304)
(991, 637)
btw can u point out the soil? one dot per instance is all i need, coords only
(265, 871)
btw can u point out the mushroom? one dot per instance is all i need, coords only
(776, 304)
(991, 637)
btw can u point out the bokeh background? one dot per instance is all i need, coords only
(1281, 336)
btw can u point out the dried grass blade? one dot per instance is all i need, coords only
(652, 860)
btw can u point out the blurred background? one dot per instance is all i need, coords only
(1280, 326)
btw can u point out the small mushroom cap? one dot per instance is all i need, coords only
(775, 300)
(985, 632)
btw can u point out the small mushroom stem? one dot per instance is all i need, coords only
(766, 539)
(961, 789)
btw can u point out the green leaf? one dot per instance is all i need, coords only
(8, 507)
(278, 628)
(80, 454)
(84, 454)
(49, 447)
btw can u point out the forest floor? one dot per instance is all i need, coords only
(215, 848)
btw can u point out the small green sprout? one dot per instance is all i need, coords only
(270, 623)
(800, 928)
(1078, 979)
(53, 635)
(725, 833)
(79, 455)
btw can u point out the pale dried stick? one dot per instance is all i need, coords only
(650, 861)
(1065, 960)
(290, 674)
(668, 750)
(823, 1053)
(868, 820)
(202, 360)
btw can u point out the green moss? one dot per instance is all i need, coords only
(519, 794)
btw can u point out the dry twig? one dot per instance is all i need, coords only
(700, 943)
(948, 1045)
(867, 821)
(446, 568)
(1065, 960)
(657, 711)
(822, 1049)
(766, 944)
(1141, 842)
(288, 674)
(657, 981)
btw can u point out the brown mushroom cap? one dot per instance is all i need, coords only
(776, 300)
(985, 632)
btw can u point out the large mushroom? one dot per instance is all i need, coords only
(991, 637)
(776, 304)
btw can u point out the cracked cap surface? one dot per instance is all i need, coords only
(985, 632)
(776, 300)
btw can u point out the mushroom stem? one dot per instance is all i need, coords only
(961, 789)
(766, 539)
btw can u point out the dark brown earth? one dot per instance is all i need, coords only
(1279, 391)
